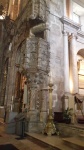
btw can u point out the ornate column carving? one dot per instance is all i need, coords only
(33, 91)
(44, 97)
(66, 63)
(73, 65)
(32, 98)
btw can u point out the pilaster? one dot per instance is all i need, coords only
(43, 113)
(66, 63)
(73, 65)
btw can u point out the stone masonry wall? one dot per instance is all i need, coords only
(55, 38)
(54, 9)
(1, 59)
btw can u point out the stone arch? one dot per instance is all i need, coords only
(81, 52)
(80, 65)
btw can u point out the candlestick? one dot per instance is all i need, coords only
(50, 128)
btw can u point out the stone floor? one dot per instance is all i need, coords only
(24, 144)
(38, 141)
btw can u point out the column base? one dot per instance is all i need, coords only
(43, 116)
(70, 103)
(34, 123)
(35, 127)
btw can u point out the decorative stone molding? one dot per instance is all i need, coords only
(72, 36)
(80, 37)
(43, 55)
(36, 54)
(81, 34)
(38, 28)
(35, 9)
(69, 25)
(65, 33)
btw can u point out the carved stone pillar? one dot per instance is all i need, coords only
(32, 97)
(66, 64)
(44, 97)
(33, 113)
(73, 65)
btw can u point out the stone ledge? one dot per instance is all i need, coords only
(70, 23)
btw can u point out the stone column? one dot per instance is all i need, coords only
(33, 90)
(43, 113)
(66, 63)
(73, 65)
(32, 114)
(32, 97)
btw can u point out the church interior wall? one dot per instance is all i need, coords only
(35, 49)
(56, 52)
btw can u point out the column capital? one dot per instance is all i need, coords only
(72, 36)
(65, 33)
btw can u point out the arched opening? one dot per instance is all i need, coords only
(80, 64)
